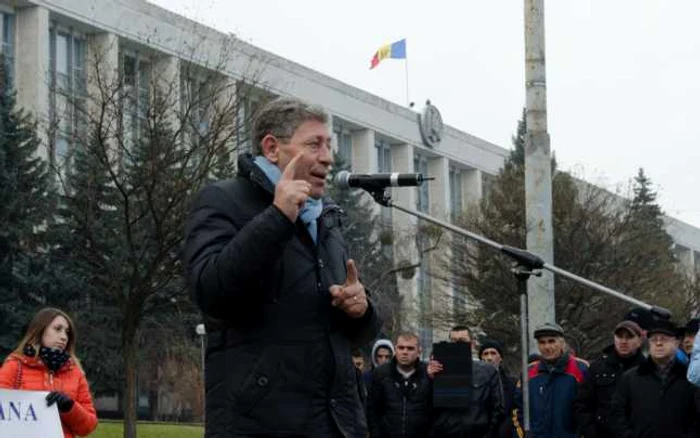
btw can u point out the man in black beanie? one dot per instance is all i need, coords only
(655, 399)
(491, 351)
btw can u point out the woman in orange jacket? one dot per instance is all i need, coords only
(45, 361)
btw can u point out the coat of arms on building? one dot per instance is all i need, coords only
(430, 123)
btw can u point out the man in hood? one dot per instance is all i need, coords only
(382, 352)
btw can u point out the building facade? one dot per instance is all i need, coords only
(48, 44)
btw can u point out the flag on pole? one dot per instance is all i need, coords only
(395, 50)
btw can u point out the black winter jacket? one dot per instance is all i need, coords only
(485, 414)
(399, 407)
(592, 403)
(644, 407)
(278, 355)
(505, 429)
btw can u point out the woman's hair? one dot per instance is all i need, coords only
(42, 319)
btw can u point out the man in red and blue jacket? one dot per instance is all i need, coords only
(553, 382)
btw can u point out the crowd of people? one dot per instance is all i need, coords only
(640, 386)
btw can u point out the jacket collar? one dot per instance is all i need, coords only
(558, 367)
(37, 363)
(649, 367)
(248, 170)
(610, 355)
(420, 368)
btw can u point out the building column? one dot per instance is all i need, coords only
(32, 67)
(227, 102)
(439, 188)
(364, 153)
(440, 290)
(364, 160)
(167, 87)
(405, 249)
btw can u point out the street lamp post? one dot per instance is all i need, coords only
(202, 331)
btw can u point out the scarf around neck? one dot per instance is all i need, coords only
(312, 207)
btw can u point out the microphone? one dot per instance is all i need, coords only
(374, 181)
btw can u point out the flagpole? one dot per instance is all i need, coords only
(408, 99)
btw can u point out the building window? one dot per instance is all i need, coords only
(197, 100)
(384, 166)
(7, 45)
(456, 206)
(136, 94)
(343, 139)
(67, 53)
(383, 156)
(425, 297)
(420, 165)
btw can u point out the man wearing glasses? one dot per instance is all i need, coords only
(655, 399)
(268, 266)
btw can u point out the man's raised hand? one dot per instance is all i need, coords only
(292, 193)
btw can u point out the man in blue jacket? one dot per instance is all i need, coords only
(694, 367)
(553, 382)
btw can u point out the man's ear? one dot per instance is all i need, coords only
(270, 148)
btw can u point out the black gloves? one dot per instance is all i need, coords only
(63, 402)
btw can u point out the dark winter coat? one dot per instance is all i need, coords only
(485, 414)
(278, 355)
(552, 393)
(505, 430)
(399, 407)
(592, 404)
(645, 407)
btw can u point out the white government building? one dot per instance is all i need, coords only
(47, 42)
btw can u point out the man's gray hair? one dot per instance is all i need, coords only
(281, 117)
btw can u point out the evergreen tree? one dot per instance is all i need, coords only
(25, 206)
(369, 244)
(597, 235)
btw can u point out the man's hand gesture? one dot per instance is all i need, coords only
(292, 193)
(350, 297)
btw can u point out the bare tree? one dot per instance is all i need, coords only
(147, 133)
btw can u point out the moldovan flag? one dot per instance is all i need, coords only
(395, 50)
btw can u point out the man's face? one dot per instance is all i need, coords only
(312, 138)
(407, 351)
(492, 356)
(662, 347)
(460, 336)
(688, 340)
(359, 362)
(551, 347)
(627, 343)
(382, 355)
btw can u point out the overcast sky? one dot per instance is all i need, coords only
(622, 76)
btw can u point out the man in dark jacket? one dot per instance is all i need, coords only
(592, 404)
(654, 400)
(491, 352)
(485, 414)
(268, 267)
(553, 382)
(399, 400)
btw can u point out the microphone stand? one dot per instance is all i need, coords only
(526, 265)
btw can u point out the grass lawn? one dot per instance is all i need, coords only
(115, 430)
